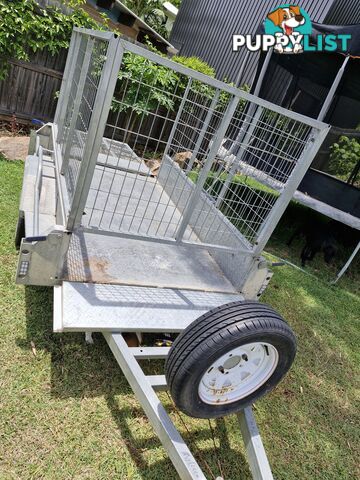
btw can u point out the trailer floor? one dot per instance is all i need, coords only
(99, 258)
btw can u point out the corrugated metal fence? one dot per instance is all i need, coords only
(204, 28)
(344, 12)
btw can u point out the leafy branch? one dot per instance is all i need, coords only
(25, 27)
(344, 155)
(151, 12)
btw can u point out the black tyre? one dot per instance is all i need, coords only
(228, 358)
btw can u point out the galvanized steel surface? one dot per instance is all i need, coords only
(228, 162)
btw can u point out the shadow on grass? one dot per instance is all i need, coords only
(79, 370)
(325, 409)
(207, 457)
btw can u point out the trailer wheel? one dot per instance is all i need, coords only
(228, 358)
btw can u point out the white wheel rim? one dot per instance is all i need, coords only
(238, 373)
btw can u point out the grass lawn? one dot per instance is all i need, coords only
(296, 215)
(67, 411)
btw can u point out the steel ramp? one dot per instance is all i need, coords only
(92, 307)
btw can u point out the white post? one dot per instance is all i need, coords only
(330, 95)
(262, 72)
(347, 264)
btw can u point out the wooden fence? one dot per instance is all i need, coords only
(29, 89)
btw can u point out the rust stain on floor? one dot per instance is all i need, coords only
(94, 269)
(97, 269)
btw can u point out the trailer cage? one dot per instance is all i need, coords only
(147, 205)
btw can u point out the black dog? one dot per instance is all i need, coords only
(319, 238)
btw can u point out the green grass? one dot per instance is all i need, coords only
(295, 215)
(68, 413)
(237, 179)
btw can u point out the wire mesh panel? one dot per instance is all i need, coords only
(87, 70)
(183, 157)
(257, 156)
(126, 195)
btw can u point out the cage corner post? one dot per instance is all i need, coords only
(65, 90)
(102, 105)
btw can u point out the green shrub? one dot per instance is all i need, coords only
(150, 85)
(344, 156)
(155, 88)
(147, 85)
(196, 64)
(151, 12)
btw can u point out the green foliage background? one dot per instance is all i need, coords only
(343, 158)
(151, 12)
(25, 27)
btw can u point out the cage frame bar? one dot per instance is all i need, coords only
(77, 102)
(220, 133)
(287, 193)
(64, 96)
(96, 129)
(245, 137)
(204, 128)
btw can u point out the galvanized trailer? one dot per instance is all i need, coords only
(175, 248)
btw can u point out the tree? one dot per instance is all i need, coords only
(143, 7)
(151, 12)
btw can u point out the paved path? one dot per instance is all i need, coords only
(14, 148)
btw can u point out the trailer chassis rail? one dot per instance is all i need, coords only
(145, 387)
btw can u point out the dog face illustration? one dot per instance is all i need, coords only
(287, 18)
